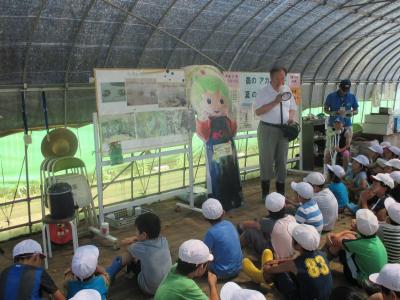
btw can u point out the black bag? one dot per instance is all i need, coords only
(290, 131)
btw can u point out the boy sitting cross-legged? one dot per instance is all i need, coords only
(223, 241)
(26, 278)
(148, 254)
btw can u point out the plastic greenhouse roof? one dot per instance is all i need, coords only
(61, 41)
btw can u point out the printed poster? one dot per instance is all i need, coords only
(294, 82)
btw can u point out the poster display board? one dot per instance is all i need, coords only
(294, 82)
(244, 87)
(142, 109)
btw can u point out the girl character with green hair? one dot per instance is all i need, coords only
(209, 96)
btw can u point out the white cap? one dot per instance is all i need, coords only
(27, 247)
(304, 189)
(367, 223)
(87, 294)
(393, 209)
(337, 170)
(389, 277)
(274, 202)
(381, 162)
(362, 159)
(395, 176)
(315, 178)
(305, 235)
(232, 291)
(394, 163)
(195, 252)
(376, 148)
(84, 261)
(385, 144)
(385, 179)
(212, 209)
(395, 150)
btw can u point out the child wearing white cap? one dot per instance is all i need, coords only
(26, 278)
(193, 258)
(391, 152)
(395, 193)
(389, 232)
(223, 241)
(87, 294)
(361, 253)
(147, 256)
(310, 277)
(392, 165)
(85, 273)
(232, 291)
(389, 281)
(325, 199)
(374, 197)
(387, 154)
(308, 211)
(356, 179)
(375, 156)
(336, 174)
(270, 231)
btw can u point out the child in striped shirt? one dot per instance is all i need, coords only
(308, 212)
(389, 232)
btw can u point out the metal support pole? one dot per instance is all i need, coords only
(131, 165)
(65, 105)
(99, 169)
(191, 177)
(26, 144)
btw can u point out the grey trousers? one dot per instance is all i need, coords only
(273, 152)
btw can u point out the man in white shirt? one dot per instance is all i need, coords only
(272, 145)
(326, 200)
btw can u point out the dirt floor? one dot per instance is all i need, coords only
(178, 225)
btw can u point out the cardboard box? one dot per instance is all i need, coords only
(375, 128)
(379, 119)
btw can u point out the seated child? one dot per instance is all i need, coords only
(340, 144)
(392, 165)
(325, 199)
(388, 279)
(305, 276)
(223, 241)
(389, 232)
(87, 294)
(356, 179)
(26, 278)
(271, 231)
(387, 154)
(395, 151)
(374, 197)
(232, 291)
(362, 252)
(338, 188)
(148, 254)
(395, 193)
(85, 273)
(374, 154)
(308, 211)
(193, 259)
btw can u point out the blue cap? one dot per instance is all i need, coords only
(345, 84)
(339, 119)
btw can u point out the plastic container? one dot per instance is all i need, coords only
(61, 201)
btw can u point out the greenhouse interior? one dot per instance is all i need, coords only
(199, 149)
